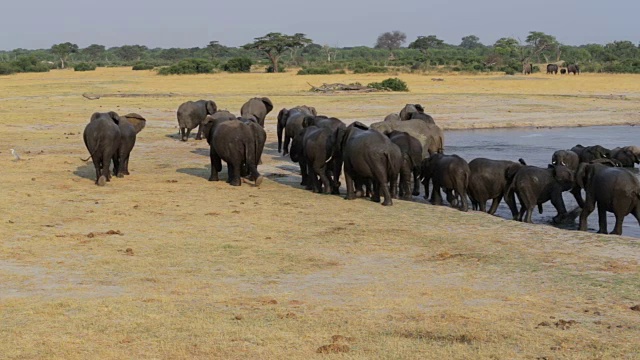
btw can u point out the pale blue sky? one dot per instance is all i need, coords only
(189, 23)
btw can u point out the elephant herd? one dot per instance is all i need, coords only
(383, 161)
(571, 69)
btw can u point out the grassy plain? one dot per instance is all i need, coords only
(163, 264)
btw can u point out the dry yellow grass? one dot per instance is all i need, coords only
(192, 269)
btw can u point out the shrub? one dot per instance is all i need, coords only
(188, 66)
(510, 71)
(320, 71)
(142, 66)
(29, 64)
(7, 69)
(390, 84)
(237, 65)
(363, 68)
(83, 66)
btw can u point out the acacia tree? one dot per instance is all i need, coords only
(63, 50)
(131, 52)
(391, 40)
(274, 44)
(424, 43)
(470, 42)
(539, 42)
(94, 51)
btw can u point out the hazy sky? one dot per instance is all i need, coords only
(189, 23)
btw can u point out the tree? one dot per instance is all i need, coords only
(391, 40)
(470, 42)
(274, 44)
(131, 52)
(216, 49)
(424, 43)
(94, 52)
(63, 51)
(540, 42)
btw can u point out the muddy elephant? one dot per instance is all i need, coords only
(527, 69)
(102, 138)
(239, 143)
(257, 108)
(370, 156)
(191, 114)
(392, 117)
(552, 69)
(628, 156)
(571, 160)
(290, 124)
(430, 136)
(613, 190)
(408, 109)
(575, 69)
(535, 186)
(590, 153)
(450, 173)
(411, 150)
(489, 180)
(136, 120)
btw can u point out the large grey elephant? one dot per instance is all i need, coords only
(450, 173)
(575, 69)
(411, 161)
(552, 69)
(409, 109)
(489, 180)
(257, 108)
(136, 120)
(314, 149)
(290, 123)
(102, 139)
(239, 143)
(571, 160)
(613, 190)
(191, 114)
(628, 156)
(590, 153)
(369, 156)
(430, 136)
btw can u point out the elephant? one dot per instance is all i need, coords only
(535, 186)
(528, 69)
(613, 189)
(257, 108)
(191, 114)
(315, 148)
(552, 69)
(411, 161)
(489, 179)
(424, 117)
(571, 160)
(102, 139)
(136, 120)
(450, 172)
(392, 117)
(430, 136)
(590, 153)
(626, 156)
(239, 143)
(370, 156)
(335, 160)
(290, 122)
(127, 142)
(575, 69)
(407, 110)
(563, 71)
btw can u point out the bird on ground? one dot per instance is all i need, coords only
(16, 157)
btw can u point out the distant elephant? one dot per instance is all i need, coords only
(127, 142)
(614, 190)
(449, 172)
(257, 108)
(411, 161)
(528, 69)
(488, 180)
(552, 69)
(392, 117)
(290, 122)
(430, 136)
(626, 156)
(191, 114)
(535, 186)
(370, 156)
(571, 160)
(575, 69)
(239, 143)
(136, 120)
(590, 153)
(563, 71)
(407, 110)
(102, 139)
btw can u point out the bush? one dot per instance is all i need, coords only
(320, 71)
(142, 66)
(83, 66)
(363, 68)
(7, 69)
(390, 84)
(237, 65)
(188, 66)
(29, 64)
(510, 71)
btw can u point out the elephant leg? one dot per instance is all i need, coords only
(416, 183)
(510, 199)
(602, 219)
(386, 193)
(425, 184)
(617, 229)
(375, 196)
(494, 204)
(199, 133)
(393, 186)
(313, 177)
(436, 196)
(326, 183)
(350, 188)
(636, 213)
(234, 174)
(464, 203)
(558, 204)
(279, 130)
(185, 137)
(216, 165)
(588, 208)
(285, 148)
(451, 199)
(183, 134)
(125, 164)
(337, 169)
(529, 213)
(575, 191)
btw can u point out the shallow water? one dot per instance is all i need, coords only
(536, 146)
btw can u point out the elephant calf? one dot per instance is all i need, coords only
(613, 189)
(257, 108)
(191, 114)
(102, 139)
(450, 172)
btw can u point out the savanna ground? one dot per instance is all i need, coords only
(163, 264)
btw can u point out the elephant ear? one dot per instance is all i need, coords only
(419, 108)
(94, 116)
(207, 120)
(211, 107)
(359, 125)
(511, 171)
(114, 116)
(313, 110)
(267, 103)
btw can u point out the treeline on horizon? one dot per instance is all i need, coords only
(276, 51)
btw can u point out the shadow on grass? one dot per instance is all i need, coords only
(86, 171)
(201, 151)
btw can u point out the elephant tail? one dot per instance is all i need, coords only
(93, 153)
